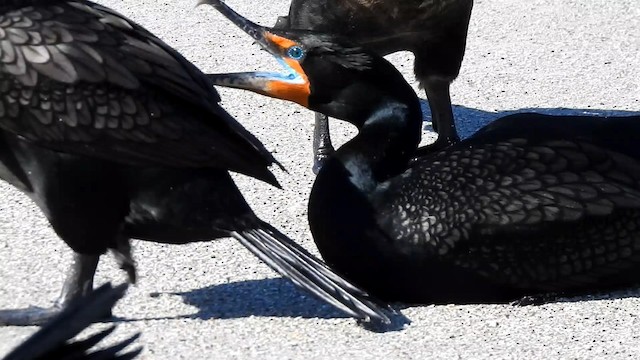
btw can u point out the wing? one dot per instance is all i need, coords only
(52, 341)
(80, 78)
(552, 213)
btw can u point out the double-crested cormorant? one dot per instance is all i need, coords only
(114, 135)
(434, 30)
(53, 340)
(529, 204)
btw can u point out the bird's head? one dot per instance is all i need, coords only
(323, 73)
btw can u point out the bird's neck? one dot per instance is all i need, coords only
(384, 145)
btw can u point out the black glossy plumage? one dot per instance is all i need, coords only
(435, 31)
(529, 204)
(53, 340)
(79, 77)
(115, 135)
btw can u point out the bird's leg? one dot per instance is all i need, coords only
(437, 90)
(322, 148)
(78, 283)
(122, 254)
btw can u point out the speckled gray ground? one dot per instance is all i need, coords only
(216, 301)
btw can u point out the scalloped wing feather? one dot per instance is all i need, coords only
(78, 77)
(548, 216)
(508, 185)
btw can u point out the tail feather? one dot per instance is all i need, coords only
(304, 270)
(52, 340)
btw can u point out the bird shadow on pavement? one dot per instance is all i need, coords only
(469, 120)
(266, 297)
(275, 297)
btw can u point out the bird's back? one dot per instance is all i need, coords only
(528, 188)
(617, 133)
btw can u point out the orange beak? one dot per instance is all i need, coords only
(292, 85)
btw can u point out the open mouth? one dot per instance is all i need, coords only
(289, 74)
(291, 84)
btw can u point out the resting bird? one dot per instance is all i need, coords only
(530, 204)
(114, 135)
(52, 341)
(434, 31)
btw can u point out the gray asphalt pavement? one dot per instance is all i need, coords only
(216, 301)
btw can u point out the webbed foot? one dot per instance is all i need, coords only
(78, 283)
(441, 143)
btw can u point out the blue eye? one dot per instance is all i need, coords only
(295, 52)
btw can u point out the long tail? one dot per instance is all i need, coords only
(52, 340)
(295, 263)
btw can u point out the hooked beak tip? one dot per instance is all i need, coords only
(205, 2)
(252, 29)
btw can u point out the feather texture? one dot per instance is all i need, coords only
(75, 73)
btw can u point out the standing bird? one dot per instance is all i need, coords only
(53, 340)
(435, 31)
(530, 204)
(114, 135)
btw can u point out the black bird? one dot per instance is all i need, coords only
(530, 204)
(114, 135)
(53, 340)
(435, 31)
